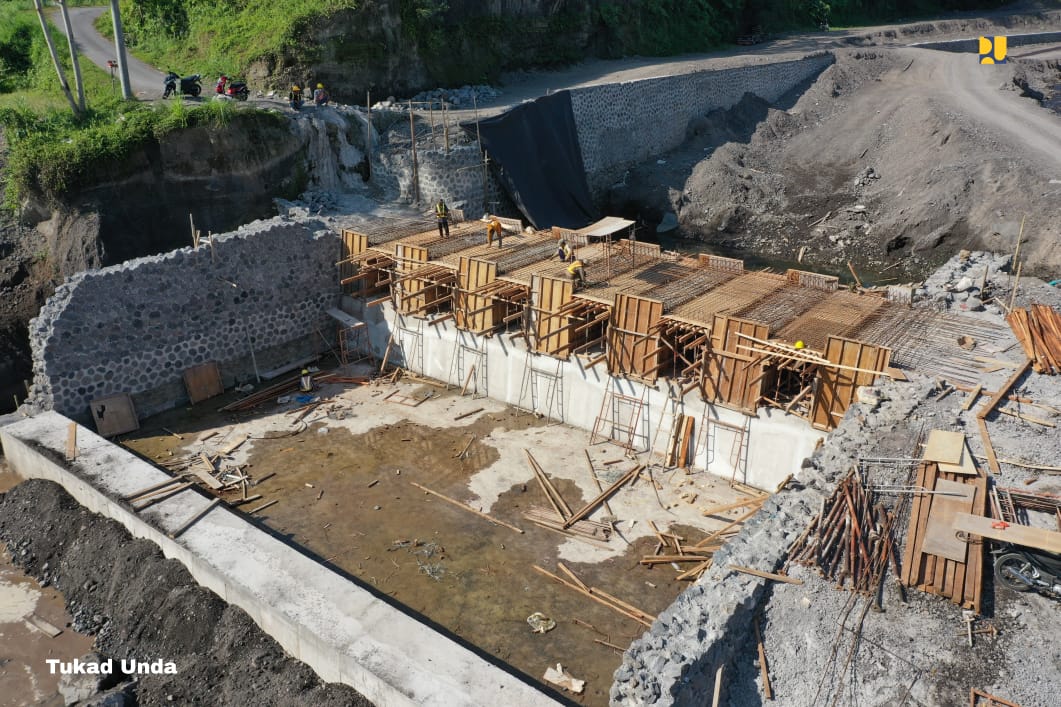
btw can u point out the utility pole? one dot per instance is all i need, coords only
(55, 57)
(119, 46)
(73, 55)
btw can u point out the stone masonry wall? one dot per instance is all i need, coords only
(456, 177)
(135, 327)
(674, 663)
(623, 124)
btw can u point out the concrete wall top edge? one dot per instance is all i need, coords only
(404, 661)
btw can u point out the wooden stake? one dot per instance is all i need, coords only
(263, 506)
(468, 414)
(593, 473)
(586, 509)
(1016, 287)
(467, 380)
(466, 507)
(71, 442)
(718, 686)
(765, 575)
(854, 274)
(768, 691)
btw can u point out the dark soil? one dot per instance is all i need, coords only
(140, 605)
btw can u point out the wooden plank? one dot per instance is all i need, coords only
(1048, 540)
(1003, 390)
(71, 442)
(765, 575)
(768, 691)
(46, 627)
(989, 449)
(944, 446)
(606, 493)
(203, 382)
(466, 507)
(939, 538)
(114, 415)
(966, 467)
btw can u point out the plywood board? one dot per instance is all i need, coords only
(733, 376)
(633, 338)
(413, 293)
(966, 466)
(203, 382)
(473, 312)
(114, 415)
(352, 245)
(940, 539)
(1048, 540)
(551, 334)
(944, 446)
(837, 386)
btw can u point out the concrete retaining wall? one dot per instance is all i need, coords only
(135, 327)
(623, 124)
(774, 444)
(328, 622)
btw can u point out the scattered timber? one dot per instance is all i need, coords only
(466, 507)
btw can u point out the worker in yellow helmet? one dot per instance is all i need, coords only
(577, 272)
(320, 96)
(295, 97)
(305, 381)
(493, 229)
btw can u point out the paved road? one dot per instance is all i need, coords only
(145, 79)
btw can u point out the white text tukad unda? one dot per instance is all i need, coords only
(107, 667)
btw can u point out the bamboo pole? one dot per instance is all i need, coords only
(466, 507)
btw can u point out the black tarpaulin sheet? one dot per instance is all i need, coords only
(535, 146)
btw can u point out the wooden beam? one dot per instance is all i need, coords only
(607, 493)
(992, 460)
(765, 575)
(1003, 390)
(466, 507)
(768, 691)
(1048, 540)
(71, 442)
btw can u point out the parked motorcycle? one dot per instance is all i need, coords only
(236, 90)
(189, 85)
(1023, 569)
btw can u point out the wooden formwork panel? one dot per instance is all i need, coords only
(473, 312)
(552, 330)
(351, 245)
(814, 280)
(634, 347)
(733, 374)
(413, 294)
(837, 386)
(717, 262)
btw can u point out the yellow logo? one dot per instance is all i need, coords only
(992, 50)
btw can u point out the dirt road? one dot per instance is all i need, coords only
(145, 79)
(973, 88)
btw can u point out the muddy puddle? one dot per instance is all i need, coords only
(24, 675)
(344, 493)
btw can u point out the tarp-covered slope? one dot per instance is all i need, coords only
(535, 146)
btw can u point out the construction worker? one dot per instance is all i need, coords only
(295, 97)
(577, 272)
(493, 229)
(305, 382)
(442, 214)
(564, 252)
(320, 96)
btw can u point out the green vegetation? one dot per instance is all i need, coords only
(50, 150)
(212, 37)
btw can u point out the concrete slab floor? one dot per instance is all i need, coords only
(342, 482)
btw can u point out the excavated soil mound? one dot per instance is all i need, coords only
(142, 606)
(891, 155)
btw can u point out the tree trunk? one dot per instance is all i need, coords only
(73, 56)
(119, 47)
(55, 57)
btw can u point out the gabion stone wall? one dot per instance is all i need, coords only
(456, 177)
(135, 327)
(623, 124)
(675, 661)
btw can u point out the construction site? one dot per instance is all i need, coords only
(359, 459)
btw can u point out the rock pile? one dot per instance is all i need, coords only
(463, 97)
